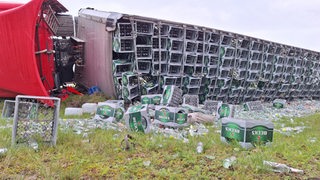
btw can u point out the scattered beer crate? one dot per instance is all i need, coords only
(248, 133)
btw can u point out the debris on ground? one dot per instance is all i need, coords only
(200, 118)
(146, 163)
(171, 133)
(198, 129)
(80, 126)
(200, 148)
(3, 151)
(164, 114)
(229, 162)
(34, 145)
(73, 111)
(8, 126)
(148, 119)
(297, 108)
(127, 143)
(289, 131)
(280, 168)
(312, 139)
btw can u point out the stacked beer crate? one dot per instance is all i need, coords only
(213, 64)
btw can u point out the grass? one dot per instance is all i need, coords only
(103, 157)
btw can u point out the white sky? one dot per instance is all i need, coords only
(291, 22)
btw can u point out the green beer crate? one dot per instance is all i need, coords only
(137, 118)
(192, 81)
(118, 87)
(248, 133)
(253, 106)
(109, 111)
(122, 45)
(151, 99)
(192, 109)
(192, 100)
(130, 79)
(129, 93)
(212, 106)
(171, 116)
(164, 114)
(181, 116)
(130, 86)
(171, 96)
(120, 103)
(121, 66)
(279, 103)
(167, 80)
(149, 89)
(225, 110)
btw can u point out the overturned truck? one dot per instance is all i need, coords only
(207, 62)
(127, 56)
(27, 62)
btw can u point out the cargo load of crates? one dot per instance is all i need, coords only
(213, 64)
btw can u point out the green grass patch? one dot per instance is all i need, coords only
(154, 156)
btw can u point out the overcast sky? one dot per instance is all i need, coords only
(291, 22)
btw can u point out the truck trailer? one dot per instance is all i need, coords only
(127, 56)
(211, 63)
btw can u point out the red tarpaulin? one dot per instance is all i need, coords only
(23, 34)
